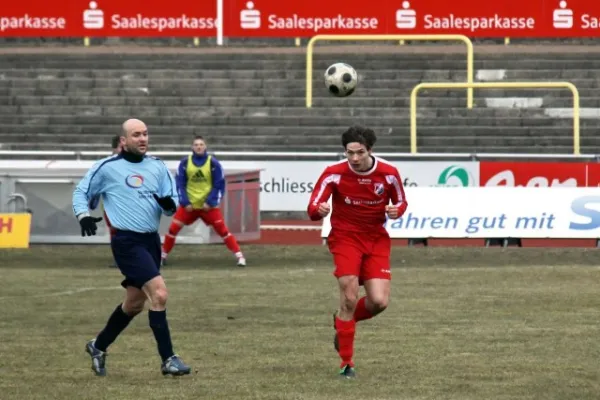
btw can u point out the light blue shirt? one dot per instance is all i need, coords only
(126, 189)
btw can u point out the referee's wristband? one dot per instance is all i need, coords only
(83, 215)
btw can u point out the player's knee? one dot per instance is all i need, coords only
(349, 301)
(159, 298)
(133, 307)
(348, 293)
(221, 229)
(379, 302)
(175, 228)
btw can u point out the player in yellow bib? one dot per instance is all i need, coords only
(200, 185)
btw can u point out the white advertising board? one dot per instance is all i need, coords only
(497, 212)
(287, 185)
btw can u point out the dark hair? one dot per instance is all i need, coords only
(198, 137)
(359, 134)
(115, 141)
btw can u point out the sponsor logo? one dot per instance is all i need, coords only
(250, 17)
(562, 17)
(134, 181)
(455, 175)
(582, 207)
(93, 17)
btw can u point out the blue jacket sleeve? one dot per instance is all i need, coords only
(182, 183)
(88, 190)
(218, 183)
(168, 188)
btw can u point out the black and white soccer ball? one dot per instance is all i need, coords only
(341, 79)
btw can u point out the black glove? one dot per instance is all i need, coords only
(166, 203)
(88, 225)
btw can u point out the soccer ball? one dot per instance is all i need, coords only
(341, 79)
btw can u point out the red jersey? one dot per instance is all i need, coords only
(359, 198)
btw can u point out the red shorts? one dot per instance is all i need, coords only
(364, 255)
(189, 217)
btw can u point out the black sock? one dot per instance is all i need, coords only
(117, 322)
(160, 328)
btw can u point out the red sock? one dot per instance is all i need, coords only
(232, 244)
(361, 313)
(168, 244)
(345, 333)
(228, 238)
(170, 238)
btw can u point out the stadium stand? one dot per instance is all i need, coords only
(253, 99)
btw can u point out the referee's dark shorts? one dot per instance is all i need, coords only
(137, 255)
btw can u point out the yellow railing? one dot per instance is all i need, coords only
(493, 85)
(314, 39)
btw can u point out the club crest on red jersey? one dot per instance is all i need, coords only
(379, 189)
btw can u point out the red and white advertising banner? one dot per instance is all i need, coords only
(539, 174)
(105, 18)
(307, 18)
(35, 18)
(268, 18)
(473, 18)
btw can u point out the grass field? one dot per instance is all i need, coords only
(463, 324)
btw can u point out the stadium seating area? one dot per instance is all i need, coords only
(254, 99)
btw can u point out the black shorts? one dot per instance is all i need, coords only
(137, 255)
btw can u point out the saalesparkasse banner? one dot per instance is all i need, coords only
(276, 18)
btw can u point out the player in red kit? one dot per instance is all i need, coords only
(362, 188)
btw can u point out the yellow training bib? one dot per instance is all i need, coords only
(199, 182)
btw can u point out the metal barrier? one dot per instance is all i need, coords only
(314, 39)
(493, 85)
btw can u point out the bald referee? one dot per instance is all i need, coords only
(136, 190)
